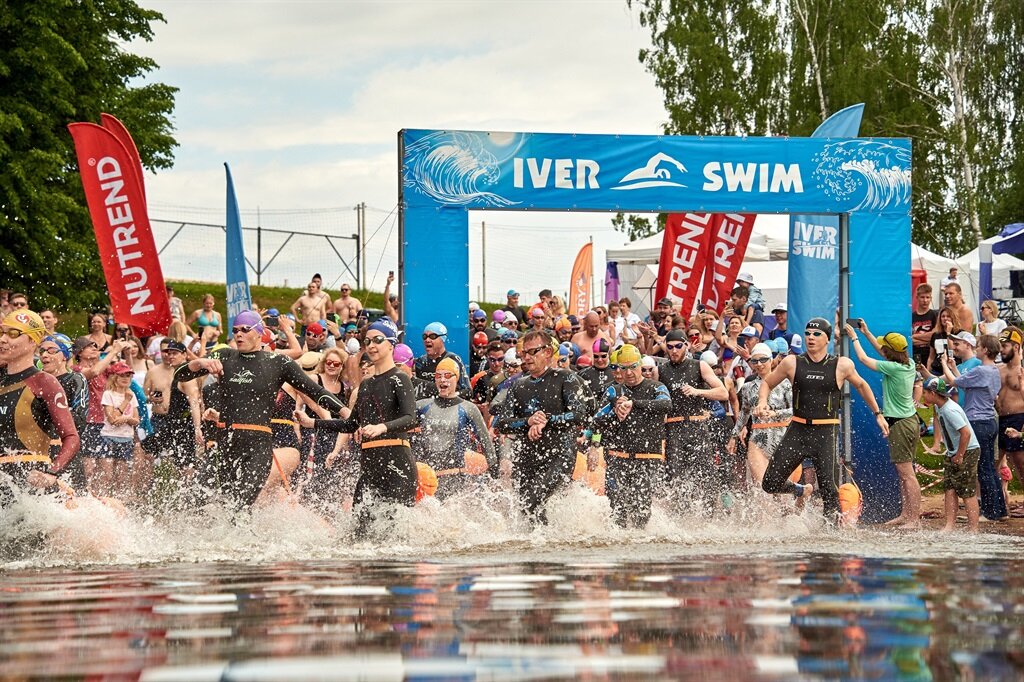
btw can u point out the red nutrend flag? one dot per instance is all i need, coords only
(115, 126)
(579, 281)
(113, 190)
(684, 250)
(728, 245)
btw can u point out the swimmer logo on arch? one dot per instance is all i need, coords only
(659, 171)
(881, 170)
(456, 167)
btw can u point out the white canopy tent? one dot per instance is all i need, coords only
(938, 267)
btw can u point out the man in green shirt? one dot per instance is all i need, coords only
(898, 377)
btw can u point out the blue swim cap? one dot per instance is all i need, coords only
(386, 327)
(436, 328)
(62, 342)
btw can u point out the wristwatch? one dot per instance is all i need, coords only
(878, 414)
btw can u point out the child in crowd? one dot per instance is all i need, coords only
(755, 299)
(120, 417)
(960, 478)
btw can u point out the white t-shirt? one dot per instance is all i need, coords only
(115, 400)
(947, 280)
(626, 332)
(992, 328)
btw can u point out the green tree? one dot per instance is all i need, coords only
(637, 226)
(63, 61)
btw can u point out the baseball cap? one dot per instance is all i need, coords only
(120, 368)
(781, 345)
(749, 331)
(175, 345)
(895, 341)
(665, 301)
(964, 336)
(745, 277)
(1010, 336)
(511, 292)
(315, 328)
(709, 357)
(779, 308)
(936, 385)
(796, 344)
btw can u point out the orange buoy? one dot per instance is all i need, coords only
(426, 480)
(797, 473)
(476, 463)
(593, 479)
(851, 503)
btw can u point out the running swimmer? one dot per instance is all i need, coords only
(546, 409)
(33, 409)
(385, 411)
(249, 381)
(761, 434)
(631, 420)
(817, 379)
(452, 434)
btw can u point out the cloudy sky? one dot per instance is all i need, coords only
(305, 99)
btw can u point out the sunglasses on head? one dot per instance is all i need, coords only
(243, 329)
(374, 340)
(432, 337)
(533, 351)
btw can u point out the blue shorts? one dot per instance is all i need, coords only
(1006, 443)
(91, 442)
(118, 448)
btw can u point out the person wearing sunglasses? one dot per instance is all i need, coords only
(631, 420)
(452, 435)
(384, 413)
(33, 409)
(249, 380)
(818, 379)
(435, 335)
(346, 305)
(54, 354)
(485, 384)
(544, 413)
(689, 457)
(760, 435)
(598, 376)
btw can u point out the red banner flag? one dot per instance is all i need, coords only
(579, 281)
(684, 251)
(113, 191)
(728, 245)
(115, 126)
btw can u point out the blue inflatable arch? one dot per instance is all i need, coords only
(443, 174)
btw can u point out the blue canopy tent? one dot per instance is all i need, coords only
(1009, 240)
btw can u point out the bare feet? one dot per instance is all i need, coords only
(909, 525)
(947, 529)
(898, 521)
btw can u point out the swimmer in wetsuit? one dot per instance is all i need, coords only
(817, 379)
(54, 353)
(632, 424)
(33, 409)
(249, 381)
(385, 411)
(546, 409)
(449, 426)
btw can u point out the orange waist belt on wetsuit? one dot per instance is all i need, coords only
(688, 418)
(384, 443)
(815, 422)
(635, 455)
(771, 425)
(286, 422)
(25, 458)
(250, 427)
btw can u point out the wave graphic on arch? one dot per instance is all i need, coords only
(454, 168)
(878, 169)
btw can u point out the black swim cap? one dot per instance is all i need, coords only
(820, 324)
(676, 335)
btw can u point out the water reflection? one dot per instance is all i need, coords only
(714, 617)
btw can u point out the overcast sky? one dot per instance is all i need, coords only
(305, 99)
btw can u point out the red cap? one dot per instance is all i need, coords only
(480, 339)
(268, 336)
(120, 368)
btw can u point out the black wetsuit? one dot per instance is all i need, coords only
(689, 456)
(816, 397)
(76, 388)
(633, 448)
(248, 388)
(388, 470)
(33, 411)
(541, 466)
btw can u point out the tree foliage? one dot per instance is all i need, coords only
(63, 61)
(945, 73)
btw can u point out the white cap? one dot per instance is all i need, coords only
(796, 343)
(473, 305)
(749, 331)
(709, 357)
(745, 277)
(762, 350)
(511, 358)
(779, 306)
(352, 346)
(647, 361)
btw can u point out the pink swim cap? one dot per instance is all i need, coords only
(403, 355)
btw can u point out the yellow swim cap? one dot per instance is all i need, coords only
(28, 323)
(448, 365)
(629, 355)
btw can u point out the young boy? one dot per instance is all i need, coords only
(960, 478)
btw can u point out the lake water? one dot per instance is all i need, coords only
(466, 591)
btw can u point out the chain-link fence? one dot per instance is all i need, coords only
(283, 247)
